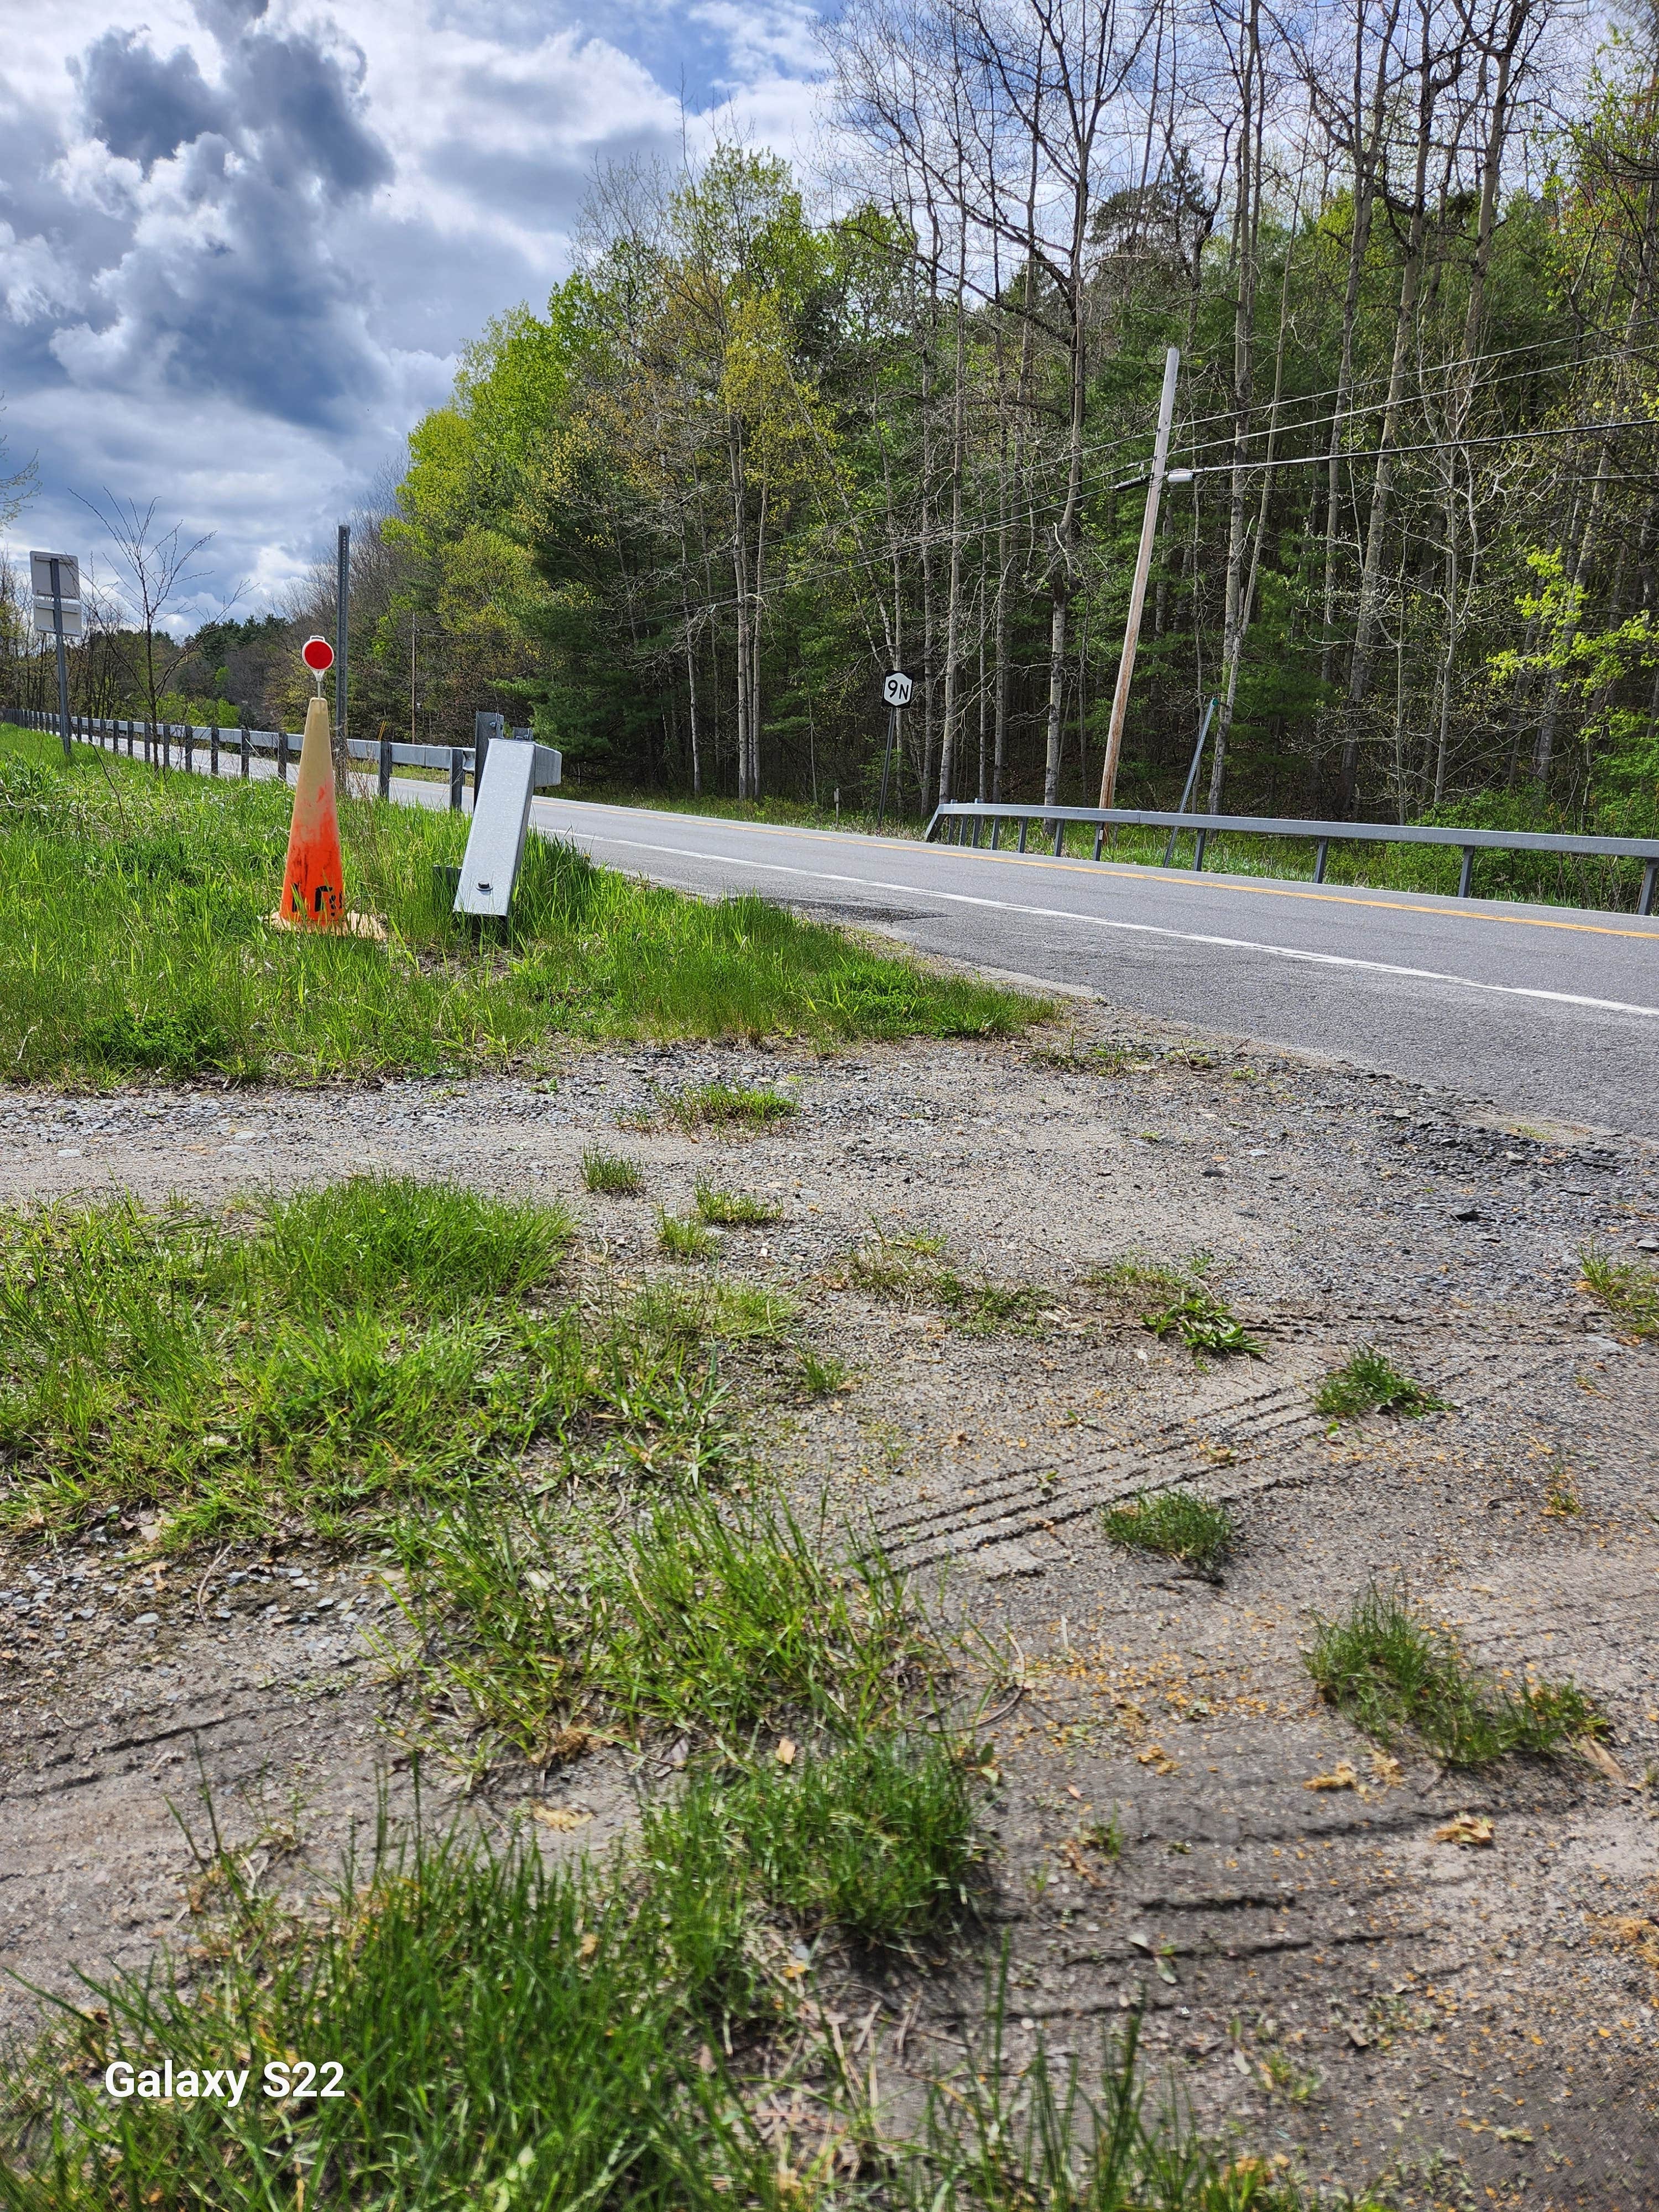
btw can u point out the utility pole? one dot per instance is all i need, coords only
(1126, 666)
(341, 624)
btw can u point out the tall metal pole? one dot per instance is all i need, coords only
(342, 627)
(62, 665)
(886, 762)
(1126, 666)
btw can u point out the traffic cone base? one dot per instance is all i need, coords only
(313, 881)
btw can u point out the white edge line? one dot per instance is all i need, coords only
(1135, 929)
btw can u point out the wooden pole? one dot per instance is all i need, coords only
(1126, 666)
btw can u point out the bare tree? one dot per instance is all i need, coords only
(156, 564)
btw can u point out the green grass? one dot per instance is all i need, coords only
(619, 2035)
(912, 1270)
(611, 1173)
(735, 1209)
(1176, 1525)
(874, 1838)
(509, 2034)
(1392, 1671)
(134, 944)
(821, 1377)
(722, 1106)
(683, 1240)
(1626, 1288)
(713, 1622)
(1370, 1382)
(336, 1358)
(1182, 1305)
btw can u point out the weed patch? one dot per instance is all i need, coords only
(1370, 1382)
(820, 1378)
(134, 941)
(1179, 1302)
(875, 1839)
(683, 1240)
(735, 1209)
(911, 1270)
(552, 2021)
(1625, 1288)
(709, 1623)
(612, 1173)
(721, 1106)
(335, 1357)
(1176, 1525)
(1391, 1670)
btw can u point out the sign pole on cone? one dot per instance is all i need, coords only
(313, 881)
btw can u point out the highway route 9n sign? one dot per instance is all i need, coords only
(896, 690)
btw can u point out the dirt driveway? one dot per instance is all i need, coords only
(1180, 1827)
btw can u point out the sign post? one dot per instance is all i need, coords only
(56, 579)
(897, 692)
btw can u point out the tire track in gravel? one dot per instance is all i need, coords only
(1272, 1421)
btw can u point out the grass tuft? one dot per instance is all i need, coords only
(612, 1173)
(875, 1837)
(721, 1106)
(1391, 1670)
(735, 1209)
(911, 1270)
(707, 1622)
(1182, 1305)
(821, 1377)
(1177, 1525)
(1370, 1382)
(683, 1240)
(1625, 1288)
(507, 2032)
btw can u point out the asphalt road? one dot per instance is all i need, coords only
(1540, 1011)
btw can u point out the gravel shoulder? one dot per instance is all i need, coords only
(1314, 1968)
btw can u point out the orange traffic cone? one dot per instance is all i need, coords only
(313, 881)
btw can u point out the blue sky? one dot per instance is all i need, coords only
(241, 241)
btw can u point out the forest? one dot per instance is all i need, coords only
(779, 433)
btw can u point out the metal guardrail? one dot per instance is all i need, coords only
(1321, 834)
(155, 744)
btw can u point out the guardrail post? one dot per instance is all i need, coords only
(456, 774)
(1465, 872)
(1060, 839)
(282, 756)
(1649, 876)
(383, 781)
(996, 832)
(1199, 843)
(1023, 826)
(244, 750)
(1319, 852)
(190, 748)
(213, 749)
(1100, 837)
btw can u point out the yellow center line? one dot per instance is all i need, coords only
(1132, 872)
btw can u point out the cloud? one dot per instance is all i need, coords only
(242, 242)
(142, 107)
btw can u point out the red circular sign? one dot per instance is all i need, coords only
(318, 654)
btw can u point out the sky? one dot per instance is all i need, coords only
(242, 242)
